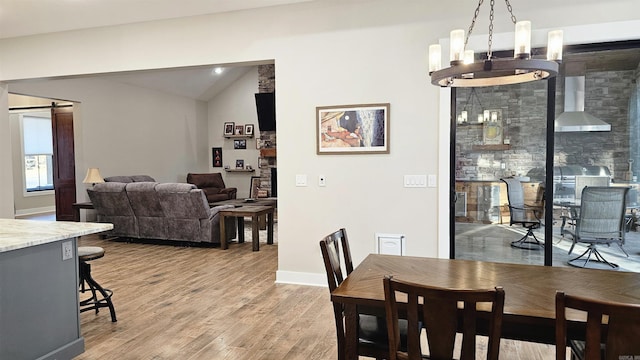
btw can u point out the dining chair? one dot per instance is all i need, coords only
(437, 309)
(372, 330)
(601, 221)
(618, 341)
(524, 214)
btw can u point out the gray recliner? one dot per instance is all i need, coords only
(152, 223)
(112, 206)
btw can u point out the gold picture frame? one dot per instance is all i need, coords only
(352, 129)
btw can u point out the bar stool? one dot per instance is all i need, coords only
(100, 297)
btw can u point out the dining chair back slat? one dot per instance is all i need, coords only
(611, 332)
(437, 309)
(372, 330)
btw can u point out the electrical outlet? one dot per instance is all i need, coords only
(322, 180)
(67, 250)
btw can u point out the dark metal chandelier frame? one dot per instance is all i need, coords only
(490, 72)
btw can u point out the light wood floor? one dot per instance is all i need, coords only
(204, 303)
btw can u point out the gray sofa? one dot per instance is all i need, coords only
(129, 178)
(165, 211)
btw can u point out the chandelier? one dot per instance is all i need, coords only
(464, 71)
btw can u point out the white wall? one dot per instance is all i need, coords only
(127, 130)
(326, 53)
(235, 104)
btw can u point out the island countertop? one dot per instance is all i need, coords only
(17, 234)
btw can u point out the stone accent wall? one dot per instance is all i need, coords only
(607, 98)
(266, 78)
(523, 108)
(267, 139)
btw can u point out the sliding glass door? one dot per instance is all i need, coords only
(500, 160)
(511, 132)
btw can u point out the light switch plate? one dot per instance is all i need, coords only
(432, 180)
(415, 181)
(301, 180)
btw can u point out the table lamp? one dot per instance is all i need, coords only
(93, 176)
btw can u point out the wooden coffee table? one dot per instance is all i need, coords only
(269, 201)
(254, 211)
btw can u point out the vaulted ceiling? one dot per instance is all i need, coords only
(32, 17)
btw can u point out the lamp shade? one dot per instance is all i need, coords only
(435, 58)
(456, 46)
(93, 176)
(554, 47)
(522, 48)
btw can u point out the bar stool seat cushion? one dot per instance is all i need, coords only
(88, 253)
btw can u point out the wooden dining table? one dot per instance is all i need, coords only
(529, 308)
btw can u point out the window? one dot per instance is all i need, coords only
(37, 143)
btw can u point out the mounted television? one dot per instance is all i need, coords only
(266, 108)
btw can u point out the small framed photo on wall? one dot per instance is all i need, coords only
(228, 128)
(239, 130)
(216, 154)
(248, 129)
(239, 164)
(240, 144)
(254, 187)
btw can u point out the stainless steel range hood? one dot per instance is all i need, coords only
(574, 119)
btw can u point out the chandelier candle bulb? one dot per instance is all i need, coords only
(456, 46)
(435, 58)
(464, 116)
(480, 118)
(468, 57)
(554, 45)
(522, 49)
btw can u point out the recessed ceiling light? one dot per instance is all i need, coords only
(218, 70)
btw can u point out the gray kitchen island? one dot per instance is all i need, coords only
(39, 310)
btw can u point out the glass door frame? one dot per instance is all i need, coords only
(548, 190)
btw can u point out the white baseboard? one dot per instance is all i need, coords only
(35, 211)
(300, 278)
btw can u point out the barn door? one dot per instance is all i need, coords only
(64, 174)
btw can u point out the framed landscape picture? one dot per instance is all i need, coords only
(240, 144)
(352, 129)
(228, 128)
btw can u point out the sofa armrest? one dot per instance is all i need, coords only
(231, 192)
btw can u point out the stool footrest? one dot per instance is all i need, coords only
(100, 297)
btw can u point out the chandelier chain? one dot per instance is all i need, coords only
(513, 17)
(489, 52)
(473, 22)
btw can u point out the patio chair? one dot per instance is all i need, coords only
(526, 215)
(601, 222)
